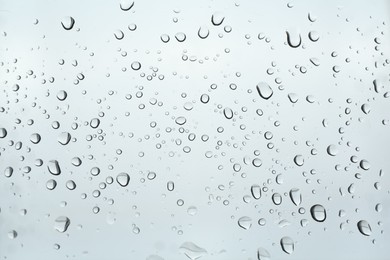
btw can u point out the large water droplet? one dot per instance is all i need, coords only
(296, 196)
(64, 138)
(264, 90)
(35, 138)
(123, 179)
(54, 167)
(318, 213)
(287, 245)
(245, 222)
(8, 172)
(217, 18)
(256, 191)
(263, 254)
(294, 39)
(68, 22)
(365, 165)
(126, 5)
(332, 150)
(51, 184)
(298, 160)
(192, 251)
(203, 32)
(61, 224)
(228, 113)
(364, 227)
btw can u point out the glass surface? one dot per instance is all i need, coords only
(208, 129)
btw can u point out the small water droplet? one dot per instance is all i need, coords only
(298, 160)
(126, 5)
(287, 245)
(318, 213)
(245, 222)
(123, 179)
(61, 224)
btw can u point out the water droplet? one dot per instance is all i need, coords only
(293, 38)
(287, 245)
(203, 32)
(180, 37)
(135, 65)
(51, 184)
(296, 196)
(245, 222)
(12, 234)
(61, 224)
(95, 122)
(228, 113)
(204, 98)
(298, 160)
(71, 185)
(217, 18)
(364, 227)
(192, 211)
(54, 167)
(35, 138)
(64, 138)
(68, 22)
(256, 191)
(314, 36)
(119, 35)
(62, 95)
(123, 179)
(263, 254)
(276, 198)
(332, 150)
(264, 90)
(165, 38)
(293, 97)
(318, 213)
(181, 120)
(366, 108)
(3, 132)
(8, 172)
(126, 5)
(170, 185)
(192, 251)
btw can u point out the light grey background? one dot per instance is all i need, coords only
(346, 28)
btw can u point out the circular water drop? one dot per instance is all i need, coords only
(123, 179)
(95, 122)
(364, 227)
(51, 184)
(332, 150)
(318, 213)
(170, 185)
(35, 138)
(71, 185)
(180, 37)
(277, 199)
(365, 165)
(62, 95)
(68, 23)
(165, 38)
(181, 120)
(135, 65)
(54, 167)
(293, 98)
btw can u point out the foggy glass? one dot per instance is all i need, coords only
(202, 129)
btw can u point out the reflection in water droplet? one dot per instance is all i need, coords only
(245, 222)
(318, 213)
(296, 196)
(264, 90)
(192, 251)
(287, 245)
(203, 32)
(217, 18)
(126, 5)
(35, 138)
(293, 38)
(54, 167)
(364, 227)
(123, 179)
(61, 224)
(68, 22)
(263, 254)
(298, 160)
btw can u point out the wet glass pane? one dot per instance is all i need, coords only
(205, 129)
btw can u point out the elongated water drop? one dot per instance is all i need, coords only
(256, 191)
(294, 39)
(264, 90)
(61, 224)
(287, 245)
(318, 213)
(364, 227)
(296, 196)
(68, 23)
